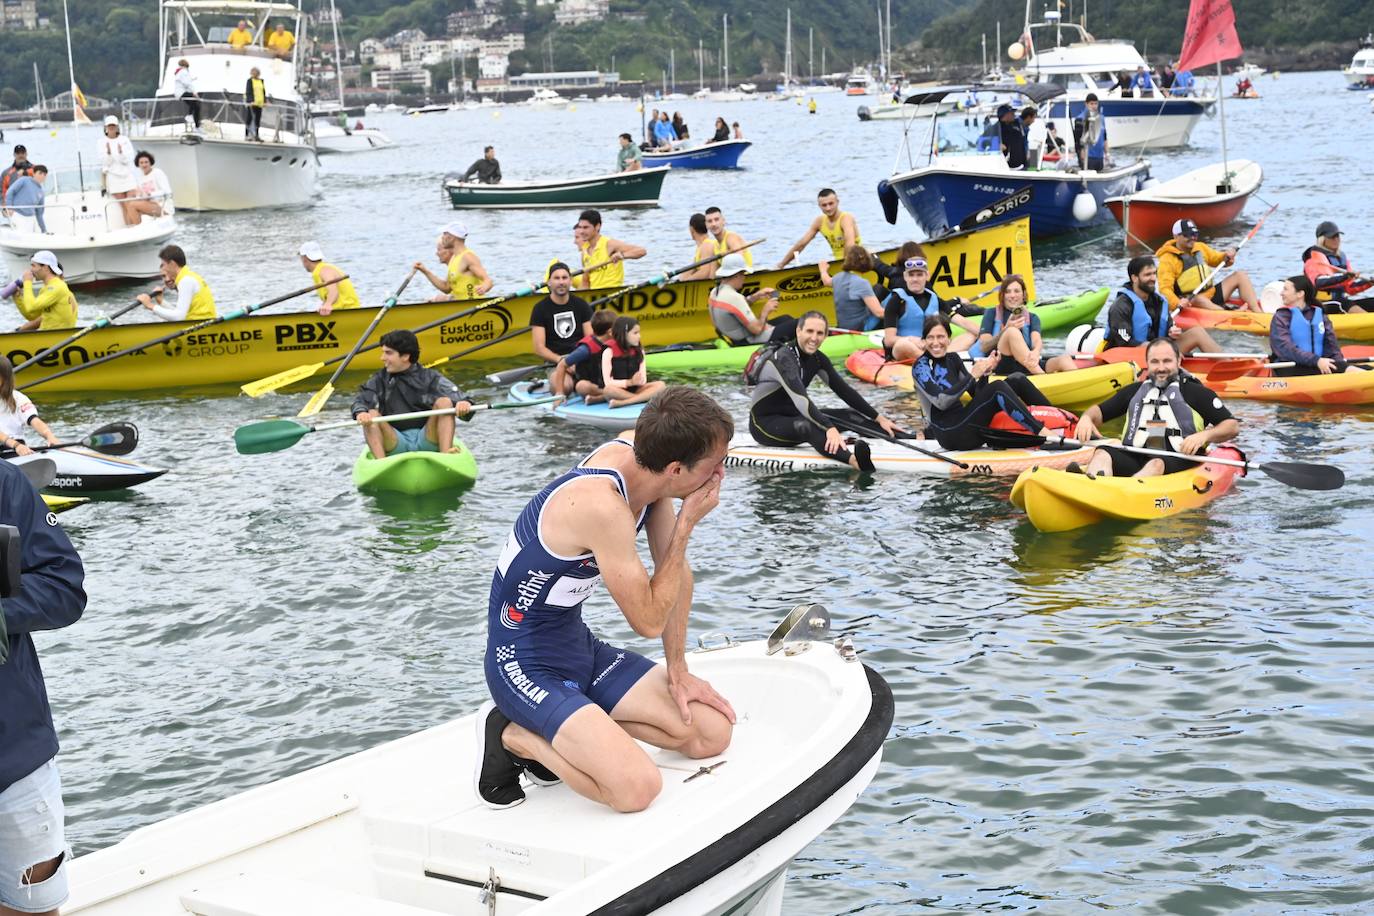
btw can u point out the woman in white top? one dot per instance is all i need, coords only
(18, 415)
(154, 192)
(117, 168)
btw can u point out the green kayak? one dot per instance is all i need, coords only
(721, 355)
(1065, 314)
(416, 473)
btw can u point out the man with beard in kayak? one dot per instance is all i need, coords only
(1139, 314)
(1185, 262)
(1300, 333)
(565, 705)
(402, 385)
(782, 413)
(1159, 414)
(1333, 275)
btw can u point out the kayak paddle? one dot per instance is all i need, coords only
(877, 431)
(277, 435)
(112, 439)
(1211, 277)
(93, 326)
(318, 399)
(1226, 373)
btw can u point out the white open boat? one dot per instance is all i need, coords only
(888, 456)
(397, 830)
(1211, 196)
(335, 138)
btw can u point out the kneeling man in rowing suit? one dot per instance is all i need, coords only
(567, 706)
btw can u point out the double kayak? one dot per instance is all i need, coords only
(577, 410)
(888, 456)
(1337, 388)
(721, 356)
(1358, 326)
(82, 471)
(416, 473)
(1076, 390)
(1056, 500)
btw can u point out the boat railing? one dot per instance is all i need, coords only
(168, 117)
(87, 211)
(219, 47)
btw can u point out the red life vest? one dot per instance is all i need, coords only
(625, 362)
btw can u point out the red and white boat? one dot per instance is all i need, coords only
(1149, 214)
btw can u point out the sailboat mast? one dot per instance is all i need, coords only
(811, 54)
(76, 111)
(701, 67)
(338, 59)
(787, 54)
(1221, 112)
(725, 19)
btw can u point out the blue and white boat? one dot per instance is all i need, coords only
(965, 189)
(723, 154)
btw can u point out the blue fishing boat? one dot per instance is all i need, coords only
(723, 154)
(965, 188)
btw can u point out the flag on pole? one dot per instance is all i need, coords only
(1210, 36)
(78, 96)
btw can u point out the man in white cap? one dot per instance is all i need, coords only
(54, 307)
(1185, 263)
(339, 294)
(732, 313)
(467, 278)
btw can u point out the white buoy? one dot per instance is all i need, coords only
(1084, 339)
(1016, 50)
(1271, 297)
(1084, 207)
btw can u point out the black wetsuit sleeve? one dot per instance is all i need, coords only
(1119, 322)
(1202, 399)
(790, 377)
(1118, 404)
(893, 310)
(844, 389)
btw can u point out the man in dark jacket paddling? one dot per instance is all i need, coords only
(402, 385)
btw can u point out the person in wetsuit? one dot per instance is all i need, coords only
(942, 381)
(783, 414)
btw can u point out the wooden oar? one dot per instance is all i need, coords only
(1229, 371)
(236, 313)
(276, 435)
(318, 399)
(112, 439)
(94, 326)
(877, 431)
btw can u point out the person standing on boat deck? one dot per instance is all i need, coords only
(53, 309)
(1123, 85)
(599, 249)
(338, 295)
(255, 102)
(703, 247)
(402, 385)
(732, 312)
(154, 192)
(24, 201)
(1011, 137)
(1332, 274)
(856, 303)
(1035, 133)
(560, 320)
(1139, 314)
(33, 845)
(1183, 83)
(195, 302)
(1301, 333)
(466, 277)
(18, 415)
(117, 168)
(722, 131)
(486, 170)
(650, 127)
(726, 240)
(836, 226)
(20, 166)
(1159, 414)
(241, 37)
(280, 42)
(663, 132)
(565, 705)
(1090, 135)
(1143, 82)
(184, 87)
(1184, 263)
(629, 159)
(782, 413)
(1166, 79)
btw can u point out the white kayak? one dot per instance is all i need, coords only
(398, 831)
(579, 411)
(80, 470)
(888, 456)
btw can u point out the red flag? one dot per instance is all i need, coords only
(1210, 36)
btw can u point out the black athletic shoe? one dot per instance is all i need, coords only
(539, 774)
(1073, 467)
(496, 777)
(864, 456)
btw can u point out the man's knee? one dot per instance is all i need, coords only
(637, 789)
(443, 403)
(712, 733)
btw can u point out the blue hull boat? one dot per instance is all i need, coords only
(722, 155)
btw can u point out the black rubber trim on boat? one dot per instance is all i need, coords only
(770, 823)
(468, 882)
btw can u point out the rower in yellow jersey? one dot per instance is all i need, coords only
(838, 228)
(195, 302)
(466, 277)
(596, 248)
(340, 295)
(54, 307)
(726, 241)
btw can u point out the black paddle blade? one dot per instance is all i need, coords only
(40, 471)
(1305, 476)
(114, 439)
(511, 376)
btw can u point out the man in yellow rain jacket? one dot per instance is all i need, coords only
(1184, 263)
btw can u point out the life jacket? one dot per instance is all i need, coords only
(1308, 333)
(1336, 259)
(203, 303)
(1140, 318)
(589, 370)
(258, 99)
(1190, 278)
(1159, 417)
(1050, 417)
(625, 362)
(913, 320)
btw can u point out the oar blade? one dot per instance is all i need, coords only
(317, 401)
(511, 376)
(1233, 369)
(1305, 476)
(40, 472)
(275, 382)
(114, 439)
(268, 436)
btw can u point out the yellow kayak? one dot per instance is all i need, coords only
(1060, 501)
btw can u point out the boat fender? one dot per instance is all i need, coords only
(1085, 339)
(1271, 297)
(1051, 417)
(864, 113)
(887, 196)
(1084, 206)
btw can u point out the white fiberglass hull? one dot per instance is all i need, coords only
(334, 139)
(88, 234)
(208, 173)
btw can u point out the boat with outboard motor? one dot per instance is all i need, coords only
(640, 188)
(720, 154)
(390, 830)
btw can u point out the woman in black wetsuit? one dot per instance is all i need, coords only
(941, 381)
(783, 414)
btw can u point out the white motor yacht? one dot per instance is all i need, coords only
(546, 98)
(218, 166)
(1360, 73)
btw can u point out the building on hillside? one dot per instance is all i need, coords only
(564, 79)
(368, 47)
(575, 12)
(466, 45)
(404, 37)
(427, 53)
(470, 22)
(402, 76)
(385, 60)
(19, 14)
(508, 43)
(492, 67)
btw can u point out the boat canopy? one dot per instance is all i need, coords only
(1036, 92)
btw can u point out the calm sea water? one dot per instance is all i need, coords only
(1172, 717)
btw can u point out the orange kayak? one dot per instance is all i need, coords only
(1359, 326)
(1263, 385)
